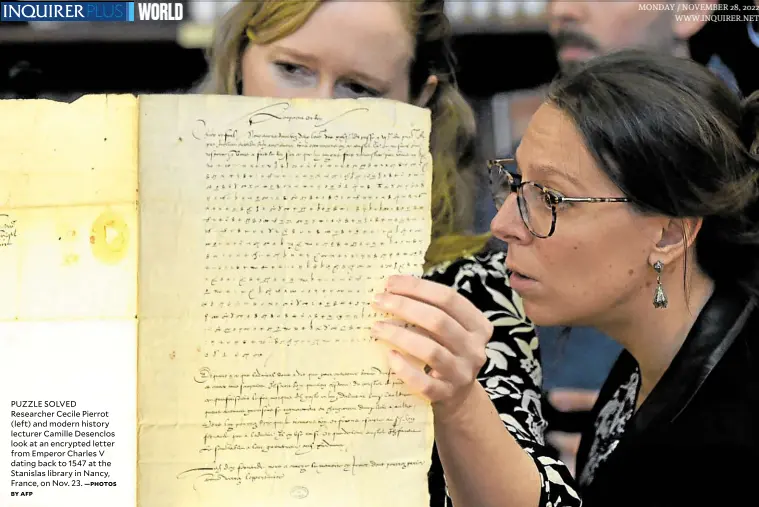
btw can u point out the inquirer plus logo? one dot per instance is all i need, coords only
(91, 11)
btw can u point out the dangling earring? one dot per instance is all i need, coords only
(660, 298)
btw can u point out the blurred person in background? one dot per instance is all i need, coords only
(399, 51)
(576, 362)
(583, 30)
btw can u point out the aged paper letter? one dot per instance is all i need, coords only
(68, 302)
(267, 227)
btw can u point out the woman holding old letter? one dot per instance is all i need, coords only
(397, 50)
(633, 207)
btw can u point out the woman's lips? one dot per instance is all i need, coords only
(520, 282)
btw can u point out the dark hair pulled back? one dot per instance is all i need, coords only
(676, 140)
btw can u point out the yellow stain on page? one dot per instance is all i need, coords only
(109, 238)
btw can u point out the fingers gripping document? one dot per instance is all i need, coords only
(198, 271)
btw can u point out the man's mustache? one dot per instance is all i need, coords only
(564, 38)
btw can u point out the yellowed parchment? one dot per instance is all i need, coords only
(68, 298)
(267, 226)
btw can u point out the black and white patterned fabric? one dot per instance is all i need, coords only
(610, 426)
(512, 375)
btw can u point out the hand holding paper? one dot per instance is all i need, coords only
(448, 334)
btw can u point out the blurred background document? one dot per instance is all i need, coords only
(233, 289)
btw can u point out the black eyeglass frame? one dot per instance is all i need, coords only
(554, 197)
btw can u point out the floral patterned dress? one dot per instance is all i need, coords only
(512, 375)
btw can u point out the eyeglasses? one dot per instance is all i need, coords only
(537, 203)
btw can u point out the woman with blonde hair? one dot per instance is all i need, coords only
(399, 51)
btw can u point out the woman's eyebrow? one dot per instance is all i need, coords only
(283, 50)
(544, 170)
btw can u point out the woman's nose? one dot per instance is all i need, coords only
(324, 89)
(507, 225)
